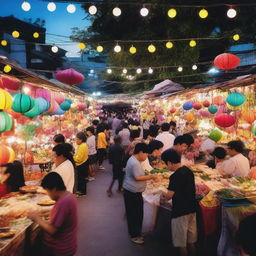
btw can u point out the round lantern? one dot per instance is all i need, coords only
(172, 110)
(235, 99)
(204, 113)
(188, 105)
(5, 155)
(206, 103)
(224, 120)
(43, 105)
(12, 155)
(197, 105)
(59, 98)
(5, 122)
(189, 117)
(226, 61)
(53, 107)
(254, 129)
(33, 112)
(218, 100)
(69, 76)
(5, 100)
(65, 105)
(81, 107)
(70, 101)
(215, 135)
(249, 117)
(22, 103)
(10, 83)
(43, 93)
(212, 109)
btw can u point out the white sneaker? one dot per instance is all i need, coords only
(101, 168)
(91, 179)
(137, 240)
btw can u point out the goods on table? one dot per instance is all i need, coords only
(244, 184)
(201, 189)
(29, 189)
(210, 200)
(7, 234)
(155, 171)
(158, 186)
(46, 201)
(229, 194)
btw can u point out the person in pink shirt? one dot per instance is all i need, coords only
(60, 233)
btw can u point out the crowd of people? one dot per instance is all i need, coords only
(131, 146)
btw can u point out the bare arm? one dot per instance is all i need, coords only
(169, 194)
(145, 177)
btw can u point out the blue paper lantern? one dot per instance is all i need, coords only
(43, 104)
(65, 105)
(213, 109)
(70, 101)
(236, 99)
(188, 105)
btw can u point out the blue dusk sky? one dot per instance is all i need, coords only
(58, 22)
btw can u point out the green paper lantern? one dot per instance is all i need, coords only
(236, 99)
(65, 105)
(254, 129)
(213, 109)
(5, 122)
(22, 103)
(215, 135)
(33, 112)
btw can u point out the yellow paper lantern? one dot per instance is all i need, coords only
(36, 35)
(12, 155)
(203, 14)
(100, 48)
(4, 43)
(236, 37)
(15, 34)
(151, 48)
(169, 45)
(133, 50)
(172, 13)
(189, 117)
(192, 43)
(7, 68)
(81, 46)
(5, 100)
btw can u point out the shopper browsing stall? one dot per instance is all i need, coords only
(102, 144)
(166, 137)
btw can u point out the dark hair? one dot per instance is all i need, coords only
(180, 140)
(236, 145)
(53, 181)
(153, 130)
(245, 236)
(172, 123)
(171, 155)
(65, 150)
(125, 125)
(95, 122)
(81, 136)
(16, 178)
(90, 129)
(59, 138)
(165, 127)
(219, 152)
(135, 134)
(188, 138)
(117, 139)
(140, 147)
(102, 127)
(154, 145)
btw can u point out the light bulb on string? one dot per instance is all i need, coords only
(26, 6)
(81, 46)
(125, 71)
(55, 49)
(139, 71)
(7, 68)
(169, 45)
(144, 11)
(15, 34)
(4, 43)
(236, 37)
(117, 48)
(180, 68)
(194, 67)
(132, 50)
(26, 90)
(36, 35)
(51, 7)
(109, 71)
(91, 71)
(117, 11)
(71, 8)
(203, 13)
(99, 48)
(231, 13)
(92, 10)
(150, 71)
(151, 48)
(192, 43)
(172, 13)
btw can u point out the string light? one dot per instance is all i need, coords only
(144, 11)
(51, 7)
(26, 6)
(231, 13)
(169, 45)
(151, 48)
(150, 71)
(15, 34)
(91, 71)
(4, 43)
(117, 12)
(71, 8)
(236, 37)
(203, 13)
(109, 71)
(125, 71)
(54, 49)
(139, 71)
(36, 35)
(194, 67)
(92, 10)
(99, 48)
(117, 48)
(132, 50)
(180, 68)
(7, 68)
(26, 90)
(192, 43)
(172, 13)
(81, 46)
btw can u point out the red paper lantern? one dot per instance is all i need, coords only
(206, 103)
(81, 107)
(226, 61)
(218, 100)
(197, 105)
(10, 83)
(5, 155)
(224, 120)
(59, 98)
(69, 76)
(172, 110)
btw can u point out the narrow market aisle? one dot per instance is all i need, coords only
(102, 225)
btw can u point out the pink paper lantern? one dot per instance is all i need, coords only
(204, 113)
(222, 109)
(59, 98)
(12, 84)
(224, 120)
(43, 93)
(81, 107)
(218, 100)
(69, 76)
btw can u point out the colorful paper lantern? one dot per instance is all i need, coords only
(189, 117)
(11, 155)
(249, 116)
(224, 120)
(65, 105)
(43, 93)
(235, 99)
(70, 101)
(206, 103)
(254, 129)
(197, 105)
(54, 106)
(10, 83)
(5, 155)
(43, 105)
(5, 122)
(14, 115)
(188, 106)
(172, 110)
(81, 107)
(59, 98)
(215, 135)
(69, 76)
(213, 109)
(226, 61)
(218, 100)
(33, 112)
(5, 100)
(204, 113)
(22, 103)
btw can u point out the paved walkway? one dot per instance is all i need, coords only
(103, 228)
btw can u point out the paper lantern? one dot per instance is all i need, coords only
(189, 117)
(218, 100)
(204, 113)
(11, 155)
(249, 116)
(235, 99)
(59, 112)
(197, 105)
(53, 107)
(22, 103)
(65, 105)
(5, 155)
(222, 109)
(33, 112)
(81, 107)
(43, 105)
(43, 93)
(69, 76)
(254, 129)
(213, 109)
(188, 105)
(5, 122)
(206, 103)
(172, 110)
(59, 98)
(70, 101)
(226, 61)
(10, 83)
(224, 120)
(5, 100)
(215, 135)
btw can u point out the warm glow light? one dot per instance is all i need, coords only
(192, 43)
(51, 7)
(26, 90)
(92, 10)
(100, 48)
(133, 50)
(81, 46)
(236, 37)
(151, 48)
(117, 48)
(180, 69)
(169, 45)
(138, 71)
(231, 13)
(7, 68)
(36, 35)
(109, 71)
(117, 12)
(26, 6)
(125, 71)
(150, 71)
(4, 43)
(194, 67)
(172, 13)
(144, 11)
(71, 8)
(91, 71)
(55, 49)
(15, 34)
(203, 14)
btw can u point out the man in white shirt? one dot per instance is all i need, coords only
(125, 136)
(165, 137)
(237, 165)
(208, 146)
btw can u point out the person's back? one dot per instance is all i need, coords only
(116, 154)
(125, 136)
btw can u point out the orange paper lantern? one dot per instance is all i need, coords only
(5, 155)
